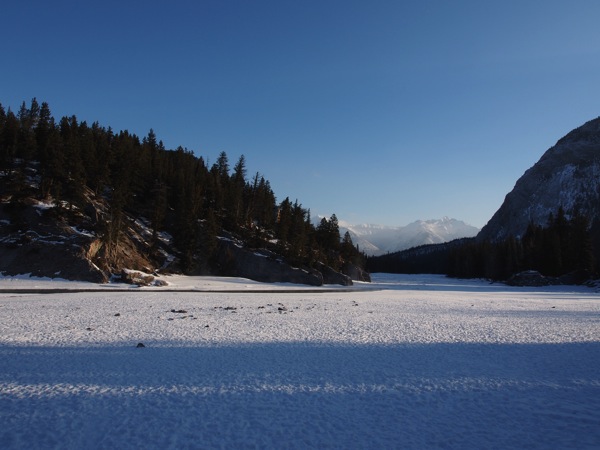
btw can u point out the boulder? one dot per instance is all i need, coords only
(331, 276)
(530, 278)
(356, 273)
(136, 277)
(576, 277)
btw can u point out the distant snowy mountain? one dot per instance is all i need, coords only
(377, 240)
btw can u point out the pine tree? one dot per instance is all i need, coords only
(284, 223)
(28, 118)
(236, 192)
(582, 254)
(74, 177)
(102, 139)
(347, 250)
(298, 236)
(222, 166)
(50, 152)
(208, 238)
(328, 233)
(9, 135)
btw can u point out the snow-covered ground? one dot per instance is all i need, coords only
(424, 362)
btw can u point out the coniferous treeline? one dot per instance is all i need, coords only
(175, 190)
(561, 247)
(428, 258)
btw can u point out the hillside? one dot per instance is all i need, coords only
(83, 202)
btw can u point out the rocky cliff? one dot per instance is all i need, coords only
(567, 176)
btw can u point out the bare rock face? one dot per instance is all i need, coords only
(267, 267)
(37, 239)
(261, 265)
(52, 262)
(356, 273)
(331, 276)
(32, 242)
(567, 175)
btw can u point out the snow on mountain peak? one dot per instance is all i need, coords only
(376, 240)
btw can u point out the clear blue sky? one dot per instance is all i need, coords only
(381, 112)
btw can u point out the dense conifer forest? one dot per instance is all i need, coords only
(179, 193)
(563, 246)
(174, 190)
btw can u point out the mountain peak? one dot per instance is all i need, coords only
(377, 240)
(567, 175)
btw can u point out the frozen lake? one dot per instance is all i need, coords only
(404, 362)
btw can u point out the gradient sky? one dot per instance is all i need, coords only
(381, 112)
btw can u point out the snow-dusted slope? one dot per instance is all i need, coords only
(567, 175)
(378, 240)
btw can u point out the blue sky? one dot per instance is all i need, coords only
(381, 112)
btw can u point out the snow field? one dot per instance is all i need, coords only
(426, 363)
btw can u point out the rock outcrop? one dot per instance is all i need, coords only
(261, 265)
(34, 242)
(356, 273)
(38, 239)
(331, 276)
(265, 266)
(83, 241)
(567, 176)
(530, 278)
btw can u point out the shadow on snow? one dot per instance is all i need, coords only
(301, 394)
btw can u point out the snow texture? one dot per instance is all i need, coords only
(407, 362)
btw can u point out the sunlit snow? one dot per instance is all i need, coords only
(404, 362)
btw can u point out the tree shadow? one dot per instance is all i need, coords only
(301, 395)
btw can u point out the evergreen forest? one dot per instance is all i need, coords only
(176, 191)
(564, 246)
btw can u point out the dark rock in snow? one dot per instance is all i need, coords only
(38, 239)
(576, 277)
(530, 278)
(330, 276)
(356, 273)
(140, 345)
(261, 265)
